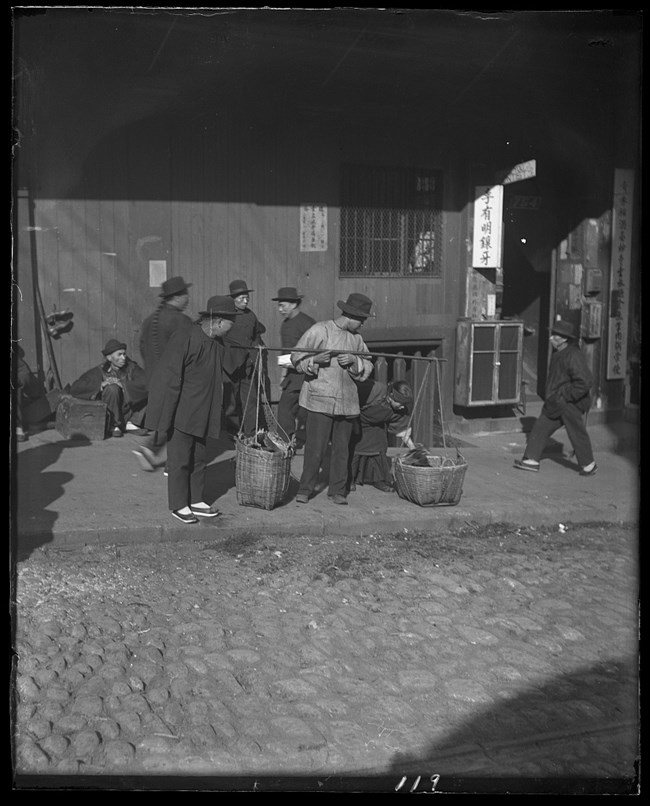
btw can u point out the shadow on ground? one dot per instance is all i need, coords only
(42, 488)
(575, 730)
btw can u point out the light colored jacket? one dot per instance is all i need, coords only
(331, 389)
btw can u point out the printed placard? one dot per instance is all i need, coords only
(488, 226)
(313, 228)
(620, 274)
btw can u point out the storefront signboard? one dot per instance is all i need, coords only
(620, 274)
(488, 226)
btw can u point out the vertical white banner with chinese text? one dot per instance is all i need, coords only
(619, 304)
(488, 226)
(313, 228)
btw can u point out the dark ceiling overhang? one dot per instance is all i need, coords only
(113, 61)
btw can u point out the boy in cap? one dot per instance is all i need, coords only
(329, 393)
(385, 410)
(567, 400)
(291, 417)
(156, 331)
(185, 402)
(240, 390)
(120, 383)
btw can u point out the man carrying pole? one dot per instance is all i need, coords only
(329, 393)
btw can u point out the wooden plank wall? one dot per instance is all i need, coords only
(217, 202)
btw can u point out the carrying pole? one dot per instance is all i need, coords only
(286, 351)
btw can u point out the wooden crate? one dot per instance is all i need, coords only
(81, 419)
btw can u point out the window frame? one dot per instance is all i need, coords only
(381, 210)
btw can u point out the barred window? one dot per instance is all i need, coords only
(391, 222)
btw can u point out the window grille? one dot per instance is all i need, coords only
(391, 222)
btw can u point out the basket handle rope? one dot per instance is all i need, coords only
(258, 379)
(442, 421)
(440, 407)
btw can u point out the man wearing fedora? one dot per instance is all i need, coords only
(168, 317)
(156, 331)
(566, 403)
(120, 383)
(240, 390)
(291, 416)
(185, 402)
(329, 393)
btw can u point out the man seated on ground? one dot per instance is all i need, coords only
(120, 383)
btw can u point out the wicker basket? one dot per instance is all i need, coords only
(440, 484)
(262, 477)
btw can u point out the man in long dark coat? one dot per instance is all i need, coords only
(168, 317)
(185, 402)
(156, 331)
(291, 417)
(242, 405)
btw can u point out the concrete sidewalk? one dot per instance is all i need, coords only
(72, 492)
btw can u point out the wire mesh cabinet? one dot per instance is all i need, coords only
(489, 357)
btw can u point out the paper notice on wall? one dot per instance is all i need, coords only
(157, 273)
(488, 226)
(313, 228)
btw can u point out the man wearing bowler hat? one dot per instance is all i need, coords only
(566, 402)
(291, 416)
(329, 393)
(185, 402)
(120, 383)
(156, 331)
(240, 388)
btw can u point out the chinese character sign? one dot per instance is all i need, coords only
(313, 228)
(488, 226)
(620, 274)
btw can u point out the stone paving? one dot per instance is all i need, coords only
(499, 652)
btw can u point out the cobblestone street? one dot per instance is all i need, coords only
(496, 652)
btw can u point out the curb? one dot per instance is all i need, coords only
(451, 521)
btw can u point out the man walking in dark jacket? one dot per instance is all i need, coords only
(185, 402)
(567, 400)
(156, 331)
(291, 417)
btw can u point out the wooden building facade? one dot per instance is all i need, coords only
(155, 145)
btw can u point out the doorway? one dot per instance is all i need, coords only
(527, 260)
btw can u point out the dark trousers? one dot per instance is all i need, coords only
(113, 396)
(291, 415)
(119, 409)
(320, 429)
(186, 465)
(574, 421)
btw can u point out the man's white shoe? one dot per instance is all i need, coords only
(204, 510)
(131, 427)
